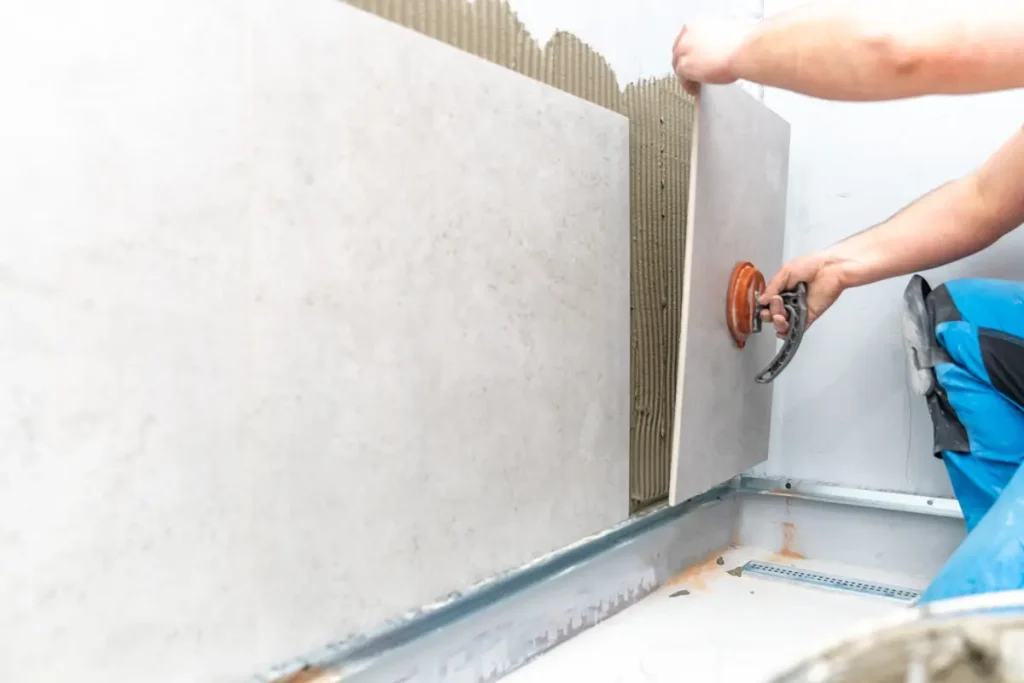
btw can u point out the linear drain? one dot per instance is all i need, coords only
(780, 571)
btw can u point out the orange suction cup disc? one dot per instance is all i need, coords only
(745, 287)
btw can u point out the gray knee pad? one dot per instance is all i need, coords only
(923, 353)
(922, 349)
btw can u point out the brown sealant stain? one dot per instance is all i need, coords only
(786, 552)
(310, 674)
(737, 572)
(696, 576)
(660, 118)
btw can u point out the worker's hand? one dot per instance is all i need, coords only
(705, 51)
(821, 272)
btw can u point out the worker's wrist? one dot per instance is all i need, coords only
(844, 269)
(742, 63)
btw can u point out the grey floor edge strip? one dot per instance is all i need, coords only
(781, 572)
(355, 652)
(341, 654)
(936, 506)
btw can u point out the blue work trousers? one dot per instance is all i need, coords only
(979, 323)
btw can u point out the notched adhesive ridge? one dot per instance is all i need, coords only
(660, 117)
(661, 125)
(491, 30)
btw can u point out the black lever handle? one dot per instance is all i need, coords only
(795, 303)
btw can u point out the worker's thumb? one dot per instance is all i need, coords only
(778, 284)
(821, 291)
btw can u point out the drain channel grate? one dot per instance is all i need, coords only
(779, 571)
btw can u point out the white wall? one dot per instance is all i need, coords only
(635, 36)
(842, 410)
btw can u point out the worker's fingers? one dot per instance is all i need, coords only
(775, 286)
(680, 54)
(775, 310)
(676, 44)
(781, 325)
(679, 66)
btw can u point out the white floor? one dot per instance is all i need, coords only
(727, 628)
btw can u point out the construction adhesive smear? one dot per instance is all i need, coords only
(660, 117)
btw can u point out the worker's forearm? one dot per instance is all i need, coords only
(936, 230)
(876, 50)
(950, 223)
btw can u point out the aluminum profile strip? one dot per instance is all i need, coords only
(813, 578)
(845, 495)
(526, 611)
(501, 614)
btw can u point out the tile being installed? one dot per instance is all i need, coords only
(737, 212)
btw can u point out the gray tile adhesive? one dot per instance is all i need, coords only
(660, 117)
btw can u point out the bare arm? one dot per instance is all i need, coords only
(864, 49)
(948, 224)
(954, 221)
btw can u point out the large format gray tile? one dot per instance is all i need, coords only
(737, 212)
(309, 319)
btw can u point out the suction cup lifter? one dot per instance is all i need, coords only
(743, 314)
(795, 303)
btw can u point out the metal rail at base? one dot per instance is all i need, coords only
(527, 611)
(844, 495)
(495, 627)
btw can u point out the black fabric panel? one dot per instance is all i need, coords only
(949, 434)
(1003, 355)
(941, 306)
(922, 307)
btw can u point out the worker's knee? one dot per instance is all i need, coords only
(979, 323)
(985, 303)
(984, 421)
(993, 357)
(966, 358)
